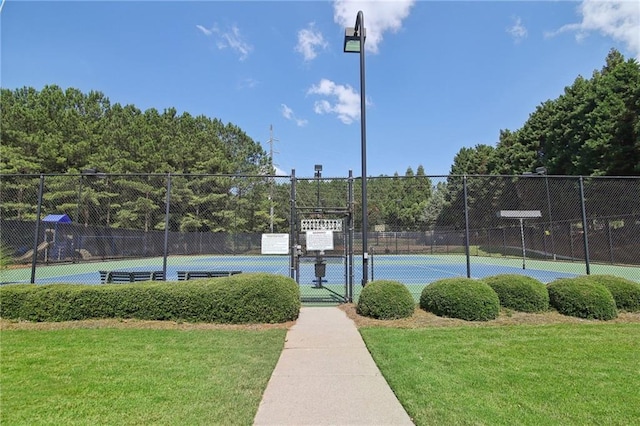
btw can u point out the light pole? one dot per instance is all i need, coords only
(354, 43)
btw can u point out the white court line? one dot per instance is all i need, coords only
(437, 270)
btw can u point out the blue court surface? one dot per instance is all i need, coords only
(408, 269)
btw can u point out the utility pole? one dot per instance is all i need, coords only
(271, 152)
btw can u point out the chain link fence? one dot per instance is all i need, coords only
(581, 224)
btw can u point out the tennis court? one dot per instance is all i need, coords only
(415, 271)
(88, 273)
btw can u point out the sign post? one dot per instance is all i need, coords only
(319, 234)
(521, 215)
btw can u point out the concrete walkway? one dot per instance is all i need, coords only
(326, 376)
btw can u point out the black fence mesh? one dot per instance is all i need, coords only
(584, 223)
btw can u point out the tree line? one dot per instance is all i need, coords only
(65, 131)
(70, 133)
(592, 129)
(112, 161)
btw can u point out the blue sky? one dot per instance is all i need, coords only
(439, 75)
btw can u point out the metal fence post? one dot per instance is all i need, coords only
(466, 226)
(585, 237)
(524, 250)
(293, 241)
(34, 258)
(166, 227)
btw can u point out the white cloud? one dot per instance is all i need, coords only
(310, 39)
(248, 83)
(290, 115)
(619, 20)
(379, 17)
(287, 112)
(204, 30)
(231, 38)
(346, 101)
(517, 30)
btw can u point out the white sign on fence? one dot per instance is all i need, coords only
(519, 214)
(275, 244)
(321, 225)
(319, 240)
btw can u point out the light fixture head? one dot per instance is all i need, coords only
(352, 40)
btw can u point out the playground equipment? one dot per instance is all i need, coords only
(29, 254)
(56, 245)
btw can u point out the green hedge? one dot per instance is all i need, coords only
(520, 292)
(243, 298)
(464, 298)
(626, 293)
(385, 299)
(583, 298)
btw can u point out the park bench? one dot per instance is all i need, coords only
(130, 276)
(189, 275)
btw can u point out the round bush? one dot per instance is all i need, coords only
(626, 293)
(463, 298)
(259, 298)
(520, 292)
(582, 298)
(385, 299)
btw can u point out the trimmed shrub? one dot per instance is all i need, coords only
(385, 299)
(13, 299)
(626, 293)
(582, 298)
(463, 298)
(259, 298)
(244, 298)
(519, 292)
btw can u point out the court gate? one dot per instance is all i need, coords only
(321, 234)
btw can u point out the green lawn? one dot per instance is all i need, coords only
(565, 374)
(135, 376)
(569, 374)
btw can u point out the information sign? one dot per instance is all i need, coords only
(319, 240)
(275, 244)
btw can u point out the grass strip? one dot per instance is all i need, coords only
(566, 374)
(135, 376)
